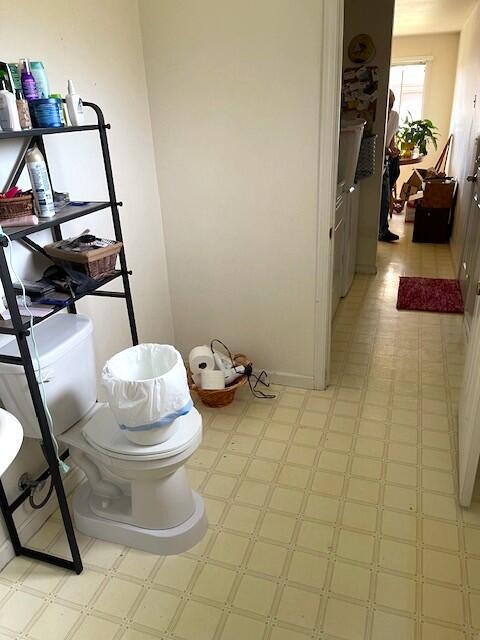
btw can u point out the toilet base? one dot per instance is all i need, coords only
(164, 542)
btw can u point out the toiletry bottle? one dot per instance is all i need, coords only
(8, 110)
(74, 106)
(28, 81)
(23, 110)
(15, 74)
(42, 190)
(63, 110)
(40, 77)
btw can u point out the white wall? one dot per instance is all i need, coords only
(374, 17)
(234, 97)
(465, 126)
(98, 45)
(442, 48)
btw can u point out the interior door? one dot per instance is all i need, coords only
(471, 247)
(469, 413)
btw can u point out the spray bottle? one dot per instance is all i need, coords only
(42, 190)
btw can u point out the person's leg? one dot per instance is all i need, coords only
(384, 234)
(384, 204)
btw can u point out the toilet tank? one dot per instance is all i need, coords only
(65, 347)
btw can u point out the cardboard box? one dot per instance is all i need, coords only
(439, 193)
(412, 185)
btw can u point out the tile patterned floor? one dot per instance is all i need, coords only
(332, 514)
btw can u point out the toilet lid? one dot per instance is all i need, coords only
(103, 433)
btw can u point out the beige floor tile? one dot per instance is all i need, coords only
(434, 632)
(298, 607)
(438, 565)
(475, 609)
(18, 610)
(229, 548)
(313, 419)
(315, 536)
(138, 564)
(366, 467)
(214, 583)
(267, 558)
(437, 459)
(333, 461)
(402, 474)
(355, 546)
(473, 573)
(369, 447)
(438, 481)
(176, 572)
(262, 470)
(398, 556)
(372, 429)
(328, 482)
(278, 527)
(156, 609)
(307, 569)
(439, 506)
(252, 493)
(220, 486)
(198, 621)
(322, 508)
(442, 604)
(298, 454)
(255, 594)
(81, 589)
(293, 476)
(351, 581)
(360, 516)
(363, 490)
(288, 500)
(393, 627)
(240, 518)
(118, 597)
(396, 592)
(238, 626)
(400, 498)
(287, 634)
(103, 554)
(93, 627)
(231, 463)
(472, 540)
(44, 578)
(345, 620)
(54, 623)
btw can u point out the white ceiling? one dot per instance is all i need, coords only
(430, 16)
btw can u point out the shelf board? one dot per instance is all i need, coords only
(69, 212)
(30, 133)
(6, 326)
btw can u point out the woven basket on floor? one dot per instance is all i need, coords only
(16, 207)
(221, 397)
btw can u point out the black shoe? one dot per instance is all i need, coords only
(388, 236)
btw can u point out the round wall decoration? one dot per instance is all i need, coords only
(361, 48)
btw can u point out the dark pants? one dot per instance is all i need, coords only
(390, 176)
(384, 203)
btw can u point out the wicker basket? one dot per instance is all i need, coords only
(11, 208)
(221, 397)
(96, 263)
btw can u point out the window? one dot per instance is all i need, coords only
(407, 81)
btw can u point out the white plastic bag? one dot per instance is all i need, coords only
(147, 391)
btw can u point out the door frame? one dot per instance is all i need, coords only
(329, 130)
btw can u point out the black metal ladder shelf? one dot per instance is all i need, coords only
(20, 327)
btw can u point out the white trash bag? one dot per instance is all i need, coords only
(147, 391)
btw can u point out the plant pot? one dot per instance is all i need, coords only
(407, 149)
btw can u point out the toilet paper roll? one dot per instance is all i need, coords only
(212, 380)
(197, 378)
(201, 359)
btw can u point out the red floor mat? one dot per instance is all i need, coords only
(429, 294)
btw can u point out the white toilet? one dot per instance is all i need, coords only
(135, 495)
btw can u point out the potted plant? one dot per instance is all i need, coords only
(416, 134)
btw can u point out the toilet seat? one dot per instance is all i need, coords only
(102, 432)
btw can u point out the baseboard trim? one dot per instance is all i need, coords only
(367, 269)
(35, 519)
(291, 380)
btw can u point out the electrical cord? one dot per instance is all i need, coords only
(261, 378)
(63, 465)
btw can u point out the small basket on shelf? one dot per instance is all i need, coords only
(94, 257)
(17, 207)
(217, 398)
